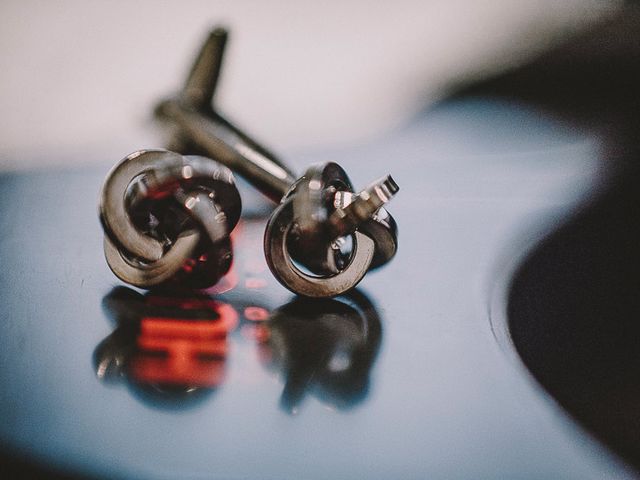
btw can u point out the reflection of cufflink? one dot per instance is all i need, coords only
(326, 347)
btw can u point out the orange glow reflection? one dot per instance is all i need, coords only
(184, 351)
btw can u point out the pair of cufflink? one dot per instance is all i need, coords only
(168, 217)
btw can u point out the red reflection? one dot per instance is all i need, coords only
(184, 352)
(225, 313)
(256, 314)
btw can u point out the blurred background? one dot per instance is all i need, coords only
(80, 78)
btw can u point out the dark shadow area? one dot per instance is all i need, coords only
(15, 467)
(590, 81)
(574, 316)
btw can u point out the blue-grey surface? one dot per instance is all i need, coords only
(480, 181)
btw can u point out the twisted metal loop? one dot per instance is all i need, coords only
(167, 219)
(279, 259)
(325, 208)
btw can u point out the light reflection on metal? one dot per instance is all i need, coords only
(230, 280)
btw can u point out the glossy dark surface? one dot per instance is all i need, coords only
(412, 385)
(574, 315)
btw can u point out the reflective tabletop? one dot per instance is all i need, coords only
(412, 375)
